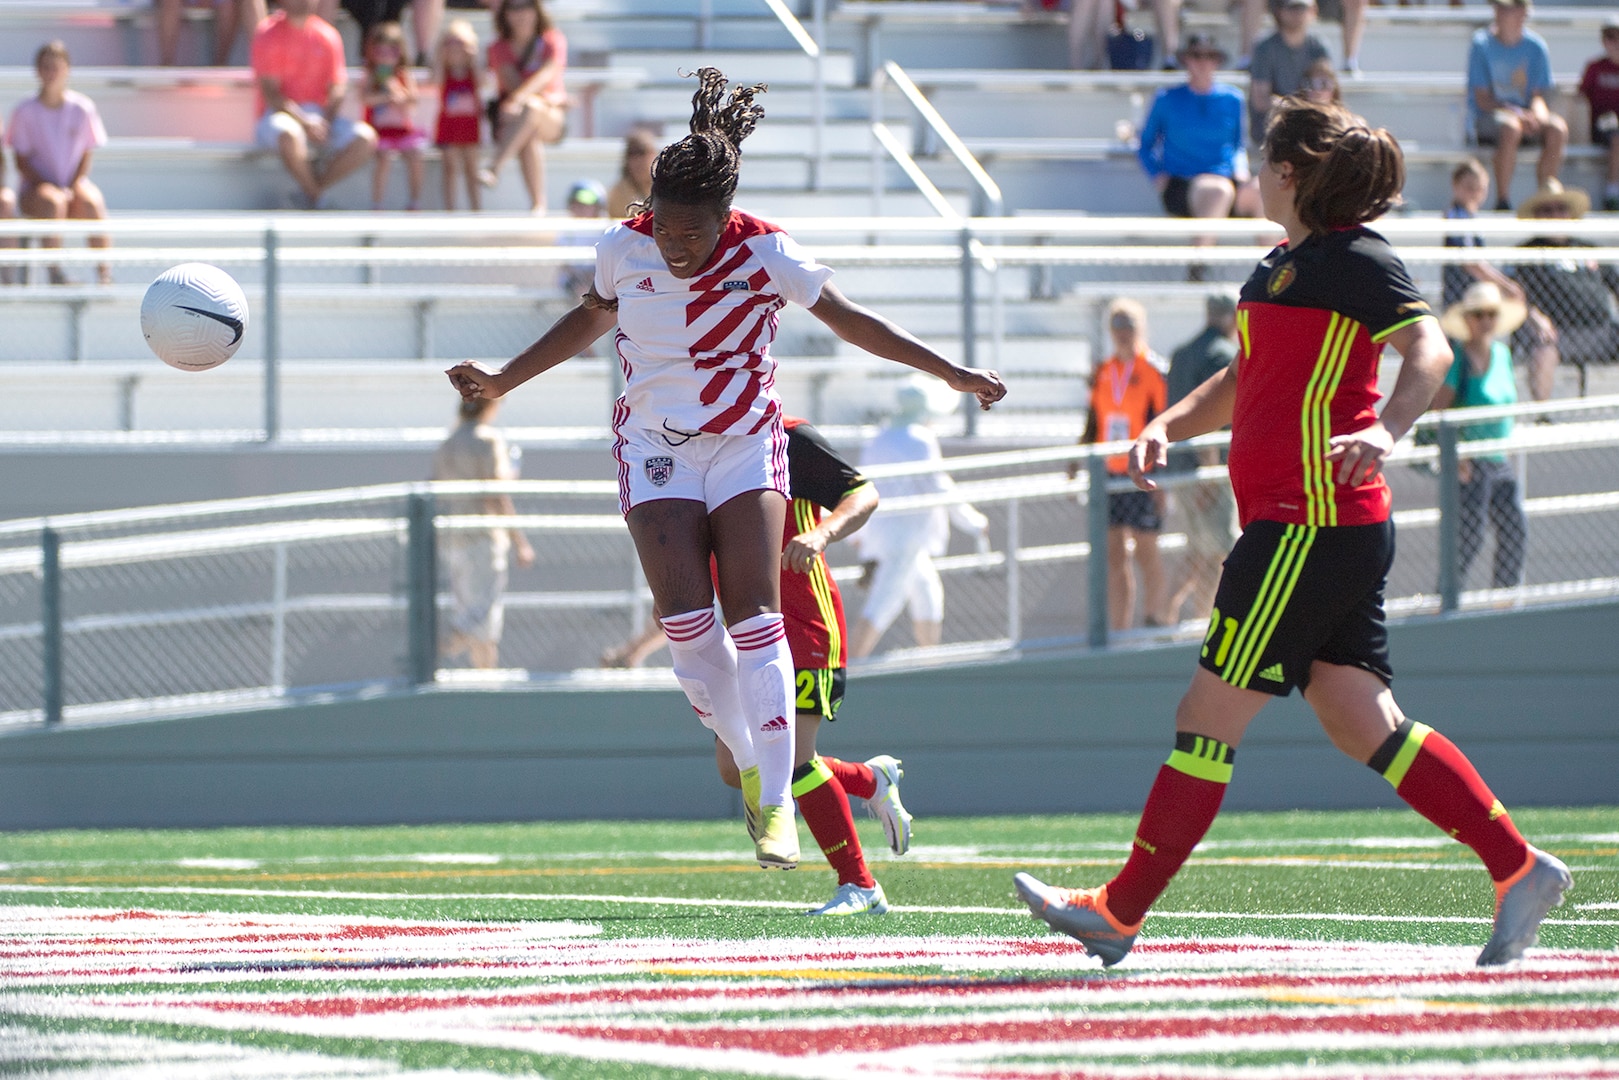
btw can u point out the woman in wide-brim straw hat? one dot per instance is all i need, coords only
(1481, 375)
(1504, 312)
(1555, 200)
(694, 288)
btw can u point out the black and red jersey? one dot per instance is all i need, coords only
(818, 479)
(1311, 323)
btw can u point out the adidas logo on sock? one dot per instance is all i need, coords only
(778, 724)
(645, 285)
(1273, 674)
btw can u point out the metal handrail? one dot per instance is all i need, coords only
(891, 72)
(812, 49)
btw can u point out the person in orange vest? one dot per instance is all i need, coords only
(1127, 391)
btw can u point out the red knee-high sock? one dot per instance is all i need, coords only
(856, 777)
(1430, 773)
(825, 808)
(1180, 808)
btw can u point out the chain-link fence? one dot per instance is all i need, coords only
(149, 612)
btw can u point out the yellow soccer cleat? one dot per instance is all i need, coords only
(750, 802)
(777, 845)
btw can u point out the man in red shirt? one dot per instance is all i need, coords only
(1599, 85)
(302, 80)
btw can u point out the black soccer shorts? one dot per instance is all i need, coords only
(1293, 594)
(819, 691)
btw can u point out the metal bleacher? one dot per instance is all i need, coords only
(1048, 137)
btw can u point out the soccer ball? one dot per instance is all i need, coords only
(194, 316)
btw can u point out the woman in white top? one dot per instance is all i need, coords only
(695, 288)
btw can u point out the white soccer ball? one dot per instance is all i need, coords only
(194, 316)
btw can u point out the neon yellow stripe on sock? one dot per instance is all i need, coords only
(818, 775)
(1202, 768)
(1395, 773)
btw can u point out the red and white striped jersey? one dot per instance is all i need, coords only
(696, 351)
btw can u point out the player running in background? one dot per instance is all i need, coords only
(695, 288)
(822, 479)
(1300, 602)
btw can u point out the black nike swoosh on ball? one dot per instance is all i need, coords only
(234, 324)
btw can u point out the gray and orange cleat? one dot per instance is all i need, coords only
(1082, 914)
(1521, 901)
(885, 806)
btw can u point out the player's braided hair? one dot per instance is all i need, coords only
(1344, 171)
(701, 169)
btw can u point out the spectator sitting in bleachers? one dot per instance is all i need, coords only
(389, 92)
(1599, 85)
(425, 17)
(1089, 22)
(1469, 188)
(1282, 60)
(1321, 84)
(1574, 304)
(53, 136)
(1349, 14)
(8, 209)
(1509, 78)
(634, 183)
(230, 17)
(528, 59)
(1191, 142)
(302, 79)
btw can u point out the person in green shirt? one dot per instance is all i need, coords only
(1482, 375)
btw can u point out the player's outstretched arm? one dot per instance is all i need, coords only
(867, 330)
(570, 335)
(1205, 409)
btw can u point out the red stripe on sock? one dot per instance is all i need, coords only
(855, 776)
(1179, 810)
(1443, 787)
(825, 810)
(688, 627)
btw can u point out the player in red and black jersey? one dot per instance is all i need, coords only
(1300, 602)
(830, 499)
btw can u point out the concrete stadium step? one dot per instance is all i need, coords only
(161, 174)
(776, 67)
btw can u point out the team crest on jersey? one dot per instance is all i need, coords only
(1280, 278)
(659, 470)
(732, 286)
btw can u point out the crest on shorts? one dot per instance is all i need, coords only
(1280, 278)
(659, 470)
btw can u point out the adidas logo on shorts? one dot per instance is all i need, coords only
(778, 724)
(1273, 674)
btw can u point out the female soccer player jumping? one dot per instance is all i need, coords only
(695, 288)
(1300, 602)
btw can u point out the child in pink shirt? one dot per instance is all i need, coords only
(53, 135)
(1599, 85)
(390, 97)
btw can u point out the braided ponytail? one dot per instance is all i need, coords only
(702, 168)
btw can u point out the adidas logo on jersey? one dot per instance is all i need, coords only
(1273, 674)
(778, 724)
(645, 285)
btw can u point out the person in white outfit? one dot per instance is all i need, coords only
(695, 288)
(903, 543)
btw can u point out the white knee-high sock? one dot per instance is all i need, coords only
(705, 664)
(764, 675)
